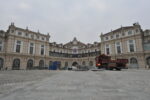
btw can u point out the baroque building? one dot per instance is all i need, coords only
(129, 42)
(25, 49)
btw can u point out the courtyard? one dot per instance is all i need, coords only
(75, 85)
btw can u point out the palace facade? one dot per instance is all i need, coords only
(129, 42)
(25, 49)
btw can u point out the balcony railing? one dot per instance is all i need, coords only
(66, 55)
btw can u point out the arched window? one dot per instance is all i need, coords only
(91, 63)
(30, 64)
(83, 63)
(41, 63)
(133, 61)
(148, 61)
(1, 63)
(16, 64)
(66, 64)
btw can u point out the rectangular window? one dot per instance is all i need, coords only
(1, 45)
(118, 47)
(20, 33)
(117, 35)
(31, 49)
(130, 32)
(107, 49)
(106, 38)
(42, 49)
(131, 45)
(18, 46)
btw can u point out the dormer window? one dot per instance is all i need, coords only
(20, 33)
(26, 34)
(32, 36)
(42, 38)
(37, 37)
(12, 31)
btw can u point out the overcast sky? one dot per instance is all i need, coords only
(65, 19)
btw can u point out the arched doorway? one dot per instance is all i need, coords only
(83, 63)
(16, 64)
(148, 61)
(1, 63)
(30, 64)
(133, 63)
(66, 64)
(91, 63)
(74, 64)
(41, 63)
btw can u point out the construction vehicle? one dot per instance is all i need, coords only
(105, 62)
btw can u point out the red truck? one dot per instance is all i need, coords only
(104, 61)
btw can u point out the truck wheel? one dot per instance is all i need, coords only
(118, 69)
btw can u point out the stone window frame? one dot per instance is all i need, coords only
(20, 44)
(30, 48)
(129, 44)
(1, 45)
(118, 44)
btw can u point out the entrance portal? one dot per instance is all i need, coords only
(74, 64)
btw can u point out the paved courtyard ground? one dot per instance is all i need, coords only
(71, 85)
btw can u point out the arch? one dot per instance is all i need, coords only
(133, 63)
(91, 63)
(16, 64)
(66, 64)
(148, 61)
(41, 63)
(83, 63)
(1, 63)
(74, 64)
(30, 64)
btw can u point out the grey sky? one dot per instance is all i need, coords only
(65, 19)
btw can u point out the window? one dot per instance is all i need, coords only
(107, 49)
(131, 45)
(26, 34)
(106, 38)
(12, 31)
(1, 45)
(32, 36)
(130, 32)
(112, 37)
(31, 48)
(19, 33)
(123, 34)
(117, 35)
(42, 49)
(137, 30)
(18, 46)
(118, 48)
(37, 37)
(42, 38)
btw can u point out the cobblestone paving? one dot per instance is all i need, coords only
(70, 85)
